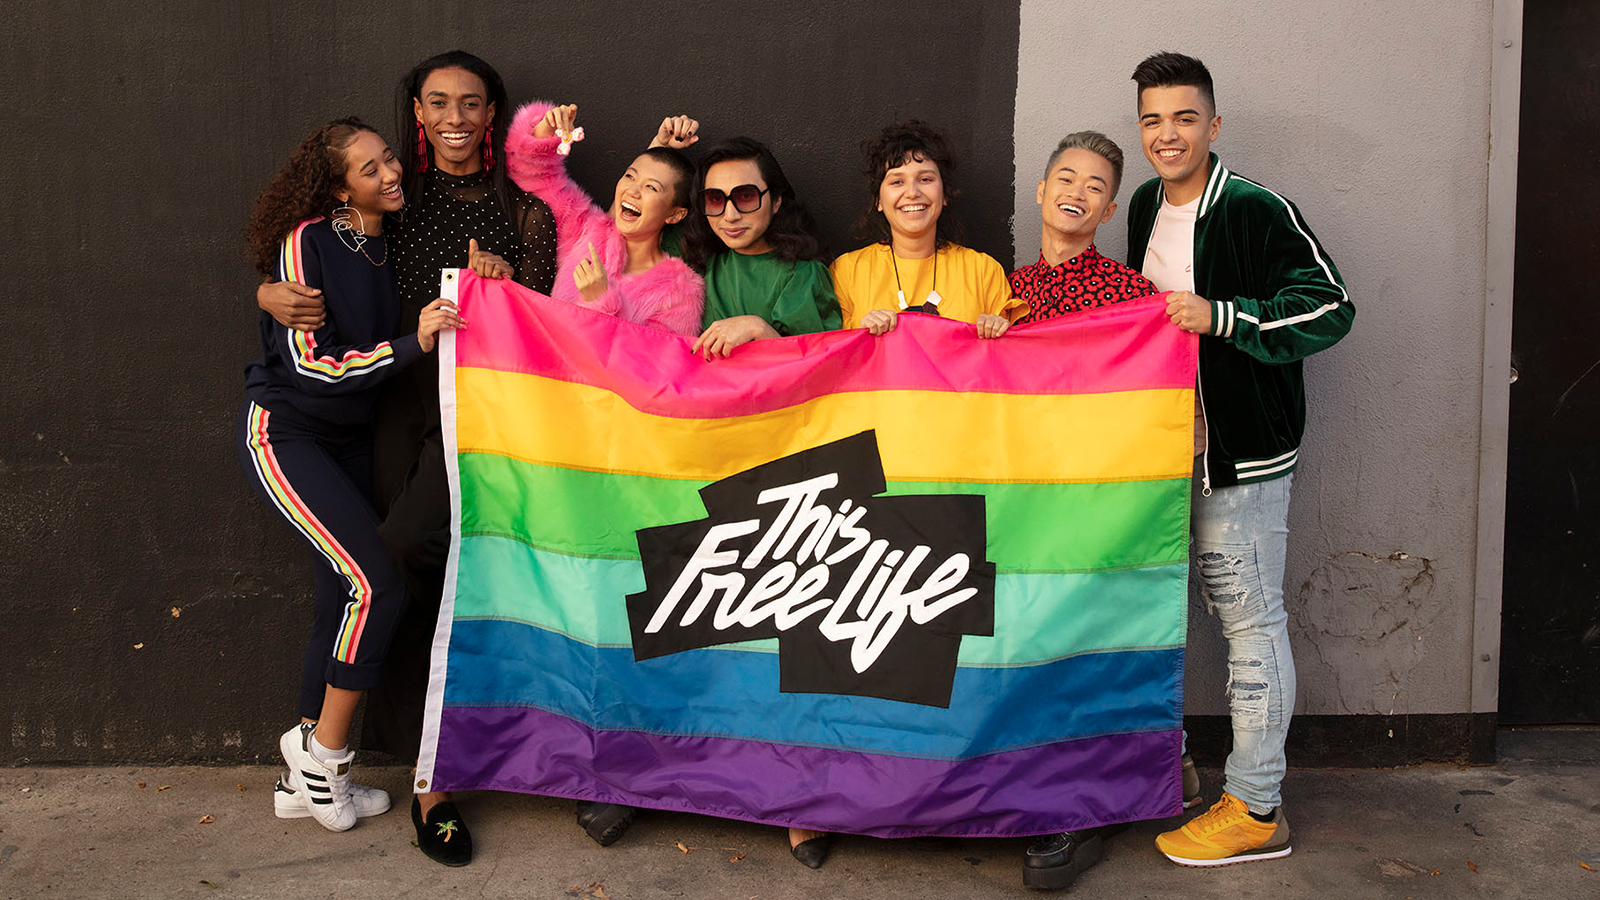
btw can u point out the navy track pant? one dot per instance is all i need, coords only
(318, 480)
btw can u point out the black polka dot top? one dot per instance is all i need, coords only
(432, 234)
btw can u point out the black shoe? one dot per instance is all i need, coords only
(443, 837)
(813, 852)
(605, 822)
(1056, 861)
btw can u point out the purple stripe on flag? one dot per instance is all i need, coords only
(1040, 790)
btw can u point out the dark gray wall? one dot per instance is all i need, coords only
(153, 610)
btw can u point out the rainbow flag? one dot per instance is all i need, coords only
(918, 584)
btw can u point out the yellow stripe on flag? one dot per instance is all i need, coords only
(577, 426)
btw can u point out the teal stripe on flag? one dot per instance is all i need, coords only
(1038, 618)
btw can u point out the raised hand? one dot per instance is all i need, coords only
(487, 264)
(562, 117)
(677, 132)
(590, 276)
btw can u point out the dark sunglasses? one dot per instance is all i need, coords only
(746, 199)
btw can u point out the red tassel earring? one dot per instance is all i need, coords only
(488, 147)
(422, 148)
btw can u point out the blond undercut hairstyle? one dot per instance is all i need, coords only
(1096, 143)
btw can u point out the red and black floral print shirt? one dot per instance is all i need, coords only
(1086, 281)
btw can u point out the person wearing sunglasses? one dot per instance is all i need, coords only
(754, 242)
(610, 260)
(916, 263)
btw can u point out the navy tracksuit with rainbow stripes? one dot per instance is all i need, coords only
(305, 441)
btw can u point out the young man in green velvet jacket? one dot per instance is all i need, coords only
(1250, 278)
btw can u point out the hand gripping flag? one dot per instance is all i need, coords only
(913, 584)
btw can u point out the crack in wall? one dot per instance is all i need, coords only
(1364, 619)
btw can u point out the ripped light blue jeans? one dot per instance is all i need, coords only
(1241, 535)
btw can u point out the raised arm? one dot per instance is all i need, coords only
(536, 167)
(677, 132)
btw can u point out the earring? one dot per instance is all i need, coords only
(350, 233)
(488, 147)
(422, 148)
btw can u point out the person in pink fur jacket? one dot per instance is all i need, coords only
(610, 261)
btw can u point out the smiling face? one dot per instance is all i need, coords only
(911, 197)
(643, 203)
(454, 110)
(1076, 194)
(1176, 128)
(372, 180)
(743, 232)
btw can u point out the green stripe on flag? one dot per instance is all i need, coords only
(1039, 528)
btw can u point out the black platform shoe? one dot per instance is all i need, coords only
(443, 837)
(813, 852)
(605, 822)
(1055, 862)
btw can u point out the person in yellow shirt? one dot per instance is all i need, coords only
(916, 263)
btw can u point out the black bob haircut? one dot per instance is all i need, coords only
(680, 166)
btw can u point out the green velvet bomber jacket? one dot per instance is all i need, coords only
(1275, 297)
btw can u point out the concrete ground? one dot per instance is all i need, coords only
(1525, 828)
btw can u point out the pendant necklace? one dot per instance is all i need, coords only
(933, 295)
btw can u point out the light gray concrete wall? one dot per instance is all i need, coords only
(1373, 117)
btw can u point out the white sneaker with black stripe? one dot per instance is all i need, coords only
(288, 803)
(325, 787)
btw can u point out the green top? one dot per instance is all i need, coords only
(793, 297)
(671, 240)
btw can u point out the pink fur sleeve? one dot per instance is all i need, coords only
(534, 165)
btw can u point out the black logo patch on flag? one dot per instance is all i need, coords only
(867, 595)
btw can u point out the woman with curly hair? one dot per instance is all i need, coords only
(917, 263)
(754, 242)
(305, 435)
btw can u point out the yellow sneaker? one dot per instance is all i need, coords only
(1226, 834)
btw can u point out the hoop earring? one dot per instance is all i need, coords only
(488, 147)
(422, 148)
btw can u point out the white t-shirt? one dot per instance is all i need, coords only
(1169, 264)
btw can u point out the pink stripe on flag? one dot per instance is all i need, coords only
(1126, 347)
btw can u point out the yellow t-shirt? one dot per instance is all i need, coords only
(970, 282)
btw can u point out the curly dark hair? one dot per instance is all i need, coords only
(894, 146)
(791, 233)
(305, 187)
